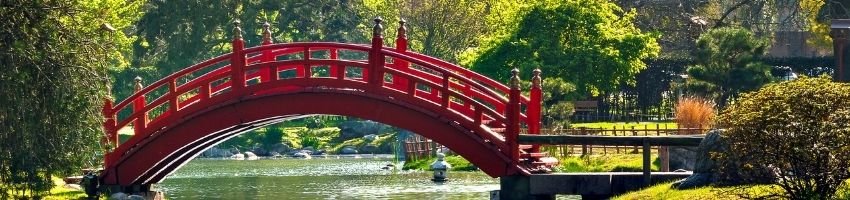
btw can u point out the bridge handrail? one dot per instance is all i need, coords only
(483, 98)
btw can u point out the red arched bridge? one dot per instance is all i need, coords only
(207, 103)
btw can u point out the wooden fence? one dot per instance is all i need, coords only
(586, 149)
(418, 147)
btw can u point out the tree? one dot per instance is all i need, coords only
(176, 34)
(591, 43)
(726, 63)
(794, 134)
(55, 56)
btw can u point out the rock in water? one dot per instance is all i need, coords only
(348, 150)
(238, 156)
(118, 196)
(251, 156)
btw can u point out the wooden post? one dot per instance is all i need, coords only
(647, 163)
(512, 114)
(840, 31)
(111, 136)
(139, 107)
(267, 74)
(535, 106)
(376, 58)
(401, 47)
(664, 156)
(583, 131)
(237, 61)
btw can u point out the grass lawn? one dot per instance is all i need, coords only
(665, 191)
(59, 192)
(626, 125)
(458, 164)
(605, 163)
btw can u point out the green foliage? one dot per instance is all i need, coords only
(53, 88)
(458, 164)
(605, 163)
(173, 35)
(557, 107)
(274, 135)
(592, 43)
(796, 133)
(726, 63)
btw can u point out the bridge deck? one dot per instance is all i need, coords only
(596, 184)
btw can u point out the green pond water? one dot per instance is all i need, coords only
(317, 178)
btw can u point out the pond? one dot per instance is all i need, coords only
(318, 178)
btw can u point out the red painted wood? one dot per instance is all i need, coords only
(189, 126)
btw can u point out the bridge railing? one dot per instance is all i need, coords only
(410, 76)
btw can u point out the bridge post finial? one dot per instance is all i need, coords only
(138, 86)
(402, 30)
(536, 81)
(515, 78)
(237, 31)
(267, 33)
(378, 30)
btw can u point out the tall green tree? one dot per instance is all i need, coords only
(590, 43)
(726, 63)
(176, 34)
(53, 83)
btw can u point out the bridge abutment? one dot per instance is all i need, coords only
(518, 187)
(146, 191)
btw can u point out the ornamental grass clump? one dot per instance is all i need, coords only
(794, 134)
(695, 112)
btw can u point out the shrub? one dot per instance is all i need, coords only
(795, 134)
(694, 112)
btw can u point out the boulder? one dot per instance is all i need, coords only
(369, 149)
(118, 196)
(251, 156)
(683, 157)
(280, 148)
(302, 154)
(136, 197)
(704, 166)
(348, 150)
(309, 148)
(259, 151)
(356, 129)
(217, 153)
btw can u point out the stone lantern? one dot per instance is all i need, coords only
(441, 168)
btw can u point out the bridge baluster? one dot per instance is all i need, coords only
(308, 71)
(172, 100)
(139, 108)
(534, 107)
(513, 113)
(400, 46)
(445, 91)
(267, 74)
(237, 60)
(335, 70)
(376, 58)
